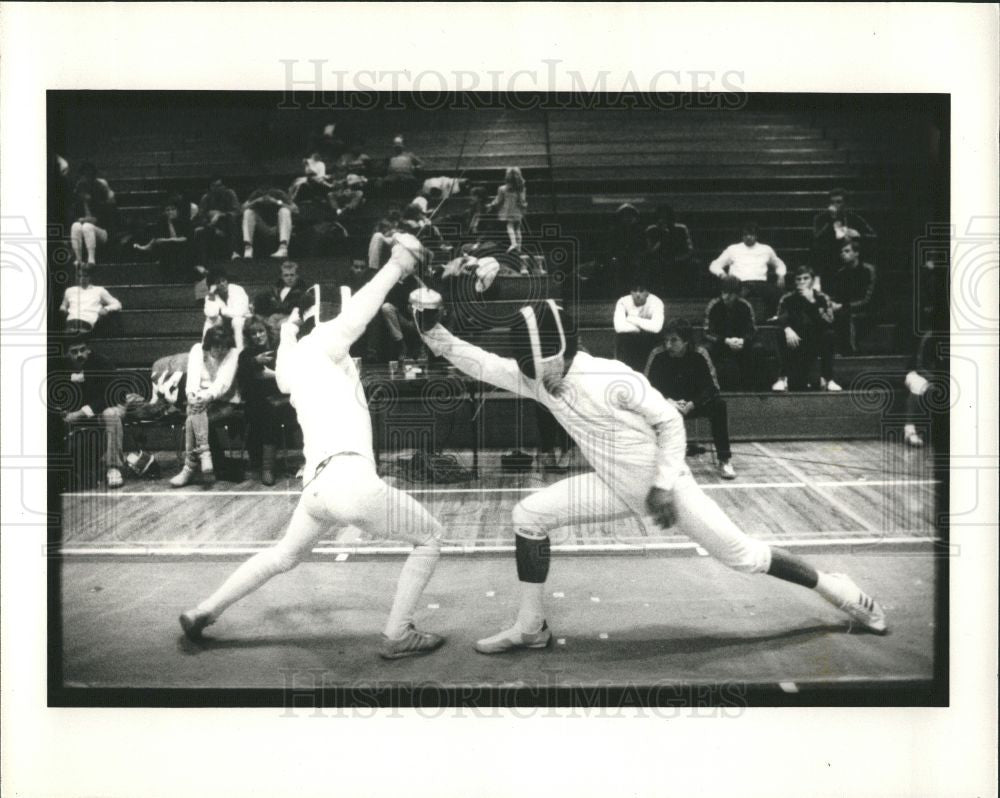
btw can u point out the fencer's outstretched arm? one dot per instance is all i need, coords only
(637, 395)
(337, 336)
(477, 363)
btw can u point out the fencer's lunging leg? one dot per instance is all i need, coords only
(701, 519)
(303, 531)
(383, 511)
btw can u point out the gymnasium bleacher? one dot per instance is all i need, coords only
(716, 168)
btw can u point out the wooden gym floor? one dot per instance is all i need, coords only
(628, 603)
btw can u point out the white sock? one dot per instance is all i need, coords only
(413, 579)
(244, 581)
(830, 588)
(531, 615)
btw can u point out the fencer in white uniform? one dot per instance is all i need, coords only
(341, 485)
(635, 441)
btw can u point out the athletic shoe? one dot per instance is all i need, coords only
(829, 385)
(859, 605)
(780, 385)
(183, 478)
(207, 468)
(512, 638)
(280, 252)
(114, 478)
(247, 252)
(913, 439)
(413, 642)
(193, 621)
(726, 470)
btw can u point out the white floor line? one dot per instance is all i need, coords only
(195, 494)
(816, 488)
(173, 550)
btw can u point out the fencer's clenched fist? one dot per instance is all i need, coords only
(407, 252)
(660, 504)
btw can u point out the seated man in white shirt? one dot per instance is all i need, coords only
(86, 305)
(753, 263)
(226, 300)
(638, 321)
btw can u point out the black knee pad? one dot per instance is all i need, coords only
(533, 555)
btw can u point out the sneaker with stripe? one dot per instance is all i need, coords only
(412, 642)
(860, 606)
(513, 638)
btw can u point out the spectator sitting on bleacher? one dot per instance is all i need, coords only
(268, 211)
(93, 214)
(87, 306)
(275, 304)
(754, 264)
(805, 317)
(677, 250)
(316, 219)
(832, 227)
(329, 143)
(217, 224)
(730, 332)
(266, 409)
(170, 239)
(638, 321)
(684, 374)
(652, 259)
(81, 383)
(212, 396)
(352, 162)
(349, 194)
(380, 244)
(926, 381)
(415, 221)
(402, 172)
(626, 244)
(226, 302)
(851, 288)
(428, 200)
(397, 321)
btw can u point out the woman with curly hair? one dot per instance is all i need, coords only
(266, 409)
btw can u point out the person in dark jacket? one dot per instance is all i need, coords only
(731, 335)
(685, 375)
(217, 226)
(266, 409)
(285, 295)
(625, 246)
(80, 391)
(831, 228)
(679, 272)
(805, 317)
(851, 289)
(171, 238)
